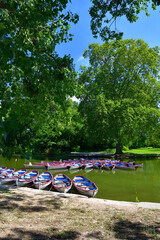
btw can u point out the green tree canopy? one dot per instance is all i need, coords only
(121, 91)
(31, 72)
(105, 13)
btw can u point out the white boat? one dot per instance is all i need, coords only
(6, 172)
(2, 169)
(27, 179)
(85, 186)
(88, 166)
(35, 166)
(12, 177)
(43, 181)
(57, 166)
(75, 166)
(62, 183)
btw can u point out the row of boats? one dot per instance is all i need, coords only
(45, 180)
(107, 164)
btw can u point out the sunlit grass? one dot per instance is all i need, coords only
(144, 150)
(110, 150)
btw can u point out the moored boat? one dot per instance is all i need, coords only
(125, 166)
(43, 181)
(6, 172)
(97, 165)
(59, 166)
(88, 166)
(85, 186)
(139, 165)
(108, 166)
(12, 177)
(35, 166)
(2, 169)
(74, 166)
(61, 183)
(27, 179)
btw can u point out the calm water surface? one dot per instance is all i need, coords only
(141, 185)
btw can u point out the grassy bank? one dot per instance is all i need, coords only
(35, 215)
(144, 150)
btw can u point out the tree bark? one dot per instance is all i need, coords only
(118, 148)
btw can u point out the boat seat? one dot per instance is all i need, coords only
(60, 178)
(88, 184)
(33, 174)
(81, 180)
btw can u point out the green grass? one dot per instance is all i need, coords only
(110, 150)
(144, 150)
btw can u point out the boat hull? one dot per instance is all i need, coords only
(42, 186)
(88, 193)
(24, 183)
(35, 166)
(50, 167)
(8, 181)
(61, 183)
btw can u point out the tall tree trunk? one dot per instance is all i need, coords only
(118, 148)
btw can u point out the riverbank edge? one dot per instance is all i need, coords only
(113, 155)
(148, 205)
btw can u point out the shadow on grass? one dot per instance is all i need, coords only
(54, 234)
(129, 230)
(12, 201)
(95, 235)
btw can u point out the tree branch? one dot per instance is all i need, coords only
(3, 6)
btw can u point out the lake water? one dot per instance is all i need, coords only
(139, 185)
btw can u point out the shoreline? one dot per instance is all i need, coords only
(147, 205)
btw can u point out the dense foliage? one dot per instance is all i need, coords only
(31, 73)
(36, 85)
(120, 101)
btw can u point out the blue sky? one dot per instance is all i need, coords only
(146, 28)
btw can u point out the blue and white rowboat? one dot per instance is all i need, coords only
(43, 181)
(85, 186)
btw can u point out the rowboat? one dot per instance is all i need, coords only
(6, 172)
(97, 165)
(108, 166)
(88, 165)
(85, 186)
(125, 166)
(35, 166)
(61, 183)
(74, 166)
(27, 179)
(2, 169)
(139, 165)
(59, 166)
(43, 181)
(12, 177)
